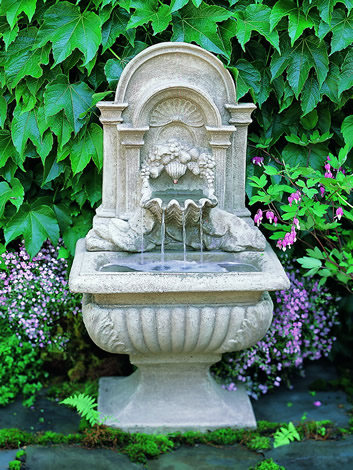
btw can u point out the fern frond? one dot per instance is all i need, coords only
(85, 406)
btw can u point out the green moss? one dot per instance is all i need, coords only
(50, 437)
(268, 426)
(267, 464)
(145, 446)
(20, 454)
(14, 438)
(15, 465)
(259, 443)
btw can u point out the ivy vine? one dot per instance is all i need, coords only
(293, 58)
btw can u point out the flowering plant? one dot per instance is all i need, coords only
(34, 299)
(301, 329)
(313, 205)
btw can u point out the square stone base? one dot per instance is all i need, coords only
(137, 405)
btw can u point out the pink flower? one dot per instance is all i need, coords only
(317, 403)
(339, 213)
(322, 191)
(296, 223)
(296, 197)
(275, 220)
(258, 161)
(270, 216)
(258, 217)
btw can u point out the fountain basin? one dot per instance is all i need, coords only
(94, 273)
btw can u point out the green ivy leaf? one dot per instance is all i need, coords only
(200, 25)
(346, 74)
(35, 224)
(150, 11)
(113, 69)
(13, 194)
(255, 18)
(341, 29)
(90, 145)
(74, 99)
(79, 230)
(297, 20)
(115, 27)
(176, 5)
(330, 85)
(52, 168)
(3, 111)
(21, 59)
(61, 127)
(347, 131)
(246, 76)
(7, 149)
(9, 35)
(67, 29)
(310, 95)
(13, 8)
(24, 127)
(307, 53)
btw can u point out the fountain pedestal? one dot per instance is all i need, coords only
(174, 123)
(168, 393)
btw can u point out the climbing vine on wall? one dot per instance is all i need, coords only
(294, 58)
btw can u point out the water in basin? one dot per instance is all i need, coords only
(177, 266)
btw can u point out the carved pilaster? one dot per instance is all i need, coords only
(240, 116)
(219, 143)
(128, 161)
(111, 116)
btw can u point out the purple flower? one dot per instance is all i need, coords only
(339, 213)
(258, 161)
(317, 403)
(258, 217)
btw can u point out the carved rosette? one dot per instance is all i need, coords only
(177, 329)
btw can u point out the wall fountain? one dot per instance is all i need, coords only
(174, 272)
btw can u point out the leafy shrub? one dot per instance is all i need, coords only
(301, 329)
(307, 204)
(51, 145)
(34, 299)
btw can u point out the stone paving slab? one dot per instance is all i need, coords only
(71, 457)
(315, 455)
(206, 458)
(284, 405)
(5, 457)
(45, 415)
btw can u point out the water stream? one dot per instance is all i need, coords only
(184, 237)
(162, 237)
(201, 238)
(142, 239)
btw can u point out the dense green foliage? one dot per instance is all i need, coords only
(293, 58)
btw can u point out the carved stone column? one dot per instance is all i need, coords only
(219, 143)
(128, 166)
(240, 117)
(110, 117)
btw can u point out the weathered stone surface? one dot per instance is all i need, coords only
(207, 458)
(68, 458)
(315, 455)
(5, 458)
(167, 394)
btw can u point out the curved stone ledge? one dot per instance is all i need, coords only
(177, 329)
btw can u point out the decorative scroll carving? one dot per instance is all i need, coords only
(176, 110)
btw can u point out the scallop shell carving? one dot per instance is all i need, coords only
(176, 169)
(176, 110)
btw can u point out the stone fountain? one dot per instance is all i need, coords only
(174, 272)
